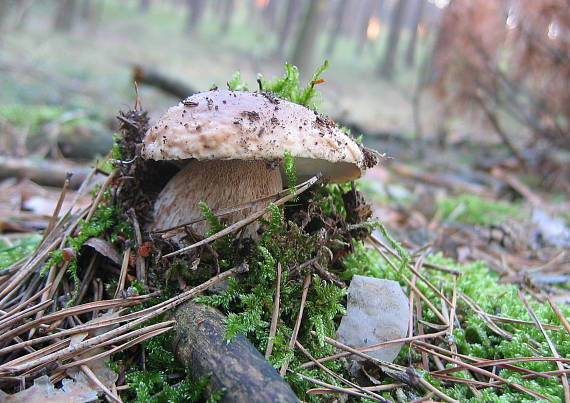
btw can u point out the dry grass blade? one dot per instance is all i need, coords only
(375, 347)
(7, 315)
(502, 319)
(123, 275)
(330, 387)
(373, 395)
(378, 388)
(234, 227)
(57, 208)
(485, 317)
(378, 243)
(25, 313)
(139, 336)
(481, 371)
(76, 310)
(16, 281)
(97, 340)
(275, 315)
(306, 285)
(563, 377)
(413, 287)
(100, 194)
(93, 378)
(556, 310)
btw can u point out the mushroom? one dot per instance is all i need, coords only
(231, 143)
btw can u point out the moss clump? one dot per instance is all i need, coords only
(20, 248)
(474, 338)
(475, 210)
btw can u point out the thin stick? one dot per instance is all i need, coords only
(556, 310)
(226, 211)
(123, 275)
(140, 261)
(306, 285)
(375, 347)
(92, 377)
(275, 315)
(485, 317)
(234, 227)
(24, 271)
(57, 208)
(481, 371)
(563, 377)
(377, 388)
(100, 194)
(156, 310)
(329, 386)
(338, 377)
(412, 286)
(412, 269)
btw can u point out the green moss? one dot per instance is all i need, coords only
(290, 170)
(481, 284)
(19, 249)
(475, 210)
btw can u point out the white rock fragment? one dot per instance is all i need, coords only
(377, 312)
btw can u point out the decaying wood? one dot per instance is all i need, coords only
(200, 345)
(48, 173)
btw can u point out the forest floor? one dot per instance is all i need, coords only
(458, 206)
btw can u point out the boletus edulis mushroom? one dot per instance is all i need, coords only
(231, 144)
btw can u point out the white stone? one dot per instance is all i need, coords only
(377, 312)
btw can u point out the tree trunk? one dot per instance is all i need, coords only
(397, 18)
(195, 10)
(269, 13)
(307, 38)
(236, 365)
(65, 15)
(4, 9)
(144, 6)
(291, 12)
(362, 33)
(338, 19)
(227, 14)
(416, 18)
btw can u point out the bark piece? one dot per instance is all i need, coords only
(199, 345)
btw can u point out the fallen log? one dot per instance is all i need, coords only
(199, 344)
(43, 172)
(154, 78)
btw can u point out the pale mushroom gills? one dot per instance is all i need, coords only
(231, 143)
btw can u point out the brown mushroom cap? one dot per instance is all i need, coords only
(230, 125)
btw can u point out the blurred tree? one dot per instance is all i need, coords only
(368, 10)
(338, 17)
(4, 9)
(508, 61)
(269, 11)
(305, 42)
(65, 14)
(291, 12)
(87, 11)
(21, 13)
(195, 11)
(388, 61)
(227, 13)
(144, 6)
(415, 27)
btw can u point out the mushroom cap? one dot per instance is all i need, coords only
(228, 125)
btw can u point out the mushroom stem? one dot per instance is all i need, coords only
(220, 184)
